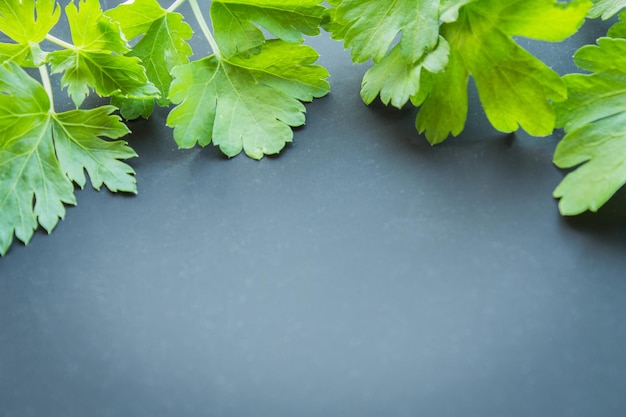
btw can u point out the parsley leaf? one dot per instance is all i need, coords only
(396, 81)
(28, 166)
(594, 118)
(369, 28)
(42, 152)
(245, 96)
(286, 19)
(225, 98)
(451, 40)
(26, 22)
(95, 61)
(245, 103)
(515, 88)
(162, 47)
(248, 99)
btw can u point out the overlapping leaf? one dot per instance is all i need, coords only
(245, 103)
(516, 89)
(249, 93)
(33, 187)
(42, 152)
(606, 8)
(96, 60)
(431, 63)
(163, 45)
(402, 38)
(234, 22)
(594, 118)
(27, 22)
(370, 27)
(395, 80)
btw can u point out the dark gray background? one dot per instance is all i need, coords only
(360, 273)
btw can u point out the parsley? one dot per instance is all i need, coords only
(443, 42)
(245, 96)
(594, 119)
(249, 92)
(43, 152)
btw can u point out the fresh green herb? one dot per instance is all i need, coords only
(244, 96)
(594, 118)
(432, 62)
(247, 94)
(162, 45)
(44, 152)
(247, 103)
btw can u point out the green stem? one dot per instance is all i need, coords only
(175, 5)
(205, 27)
(45, 80)
(60, 42)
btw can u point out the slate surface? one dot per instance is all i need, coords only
(360, 273)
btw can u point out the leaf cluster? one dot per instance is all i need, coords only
(248, 93)
(594, 119)
(44, 152)
(245, 96)
(424, 52)
(442, 43)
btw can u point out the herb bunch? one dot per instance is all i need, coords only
(248, 93)
(245, 96)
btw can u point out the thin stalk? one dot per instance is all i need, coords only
(175, 5)
(45, 80)
(205, 27)
(60, 42)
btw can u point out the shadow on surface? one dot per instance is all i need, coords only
(607, 226)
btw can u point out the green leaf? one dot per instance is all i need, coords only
(162, 47)
(618, 30)
(426, 50)
(79, 148)
(27, 22)
(245, 103)
(606, 8)
(396, 81)
(135, 18)
(369, 28)
(516, 89)
(92, 30)
(107, 74)
(234, 22)
(18, 53)
(445, 111)
(449, 9)
(33, 187)
(133, 108)
(42, 152)
(402, 38)
(95, 62)
(594, 118)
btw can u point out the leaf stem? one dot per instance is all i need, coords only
(205, 27)
(45, 80)
(175, 5)
(60, 42)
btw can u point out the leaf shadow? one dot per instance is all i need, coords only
(608, 223)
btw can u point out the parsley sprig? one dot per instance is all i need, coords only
(248, 93)
(245, 96)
